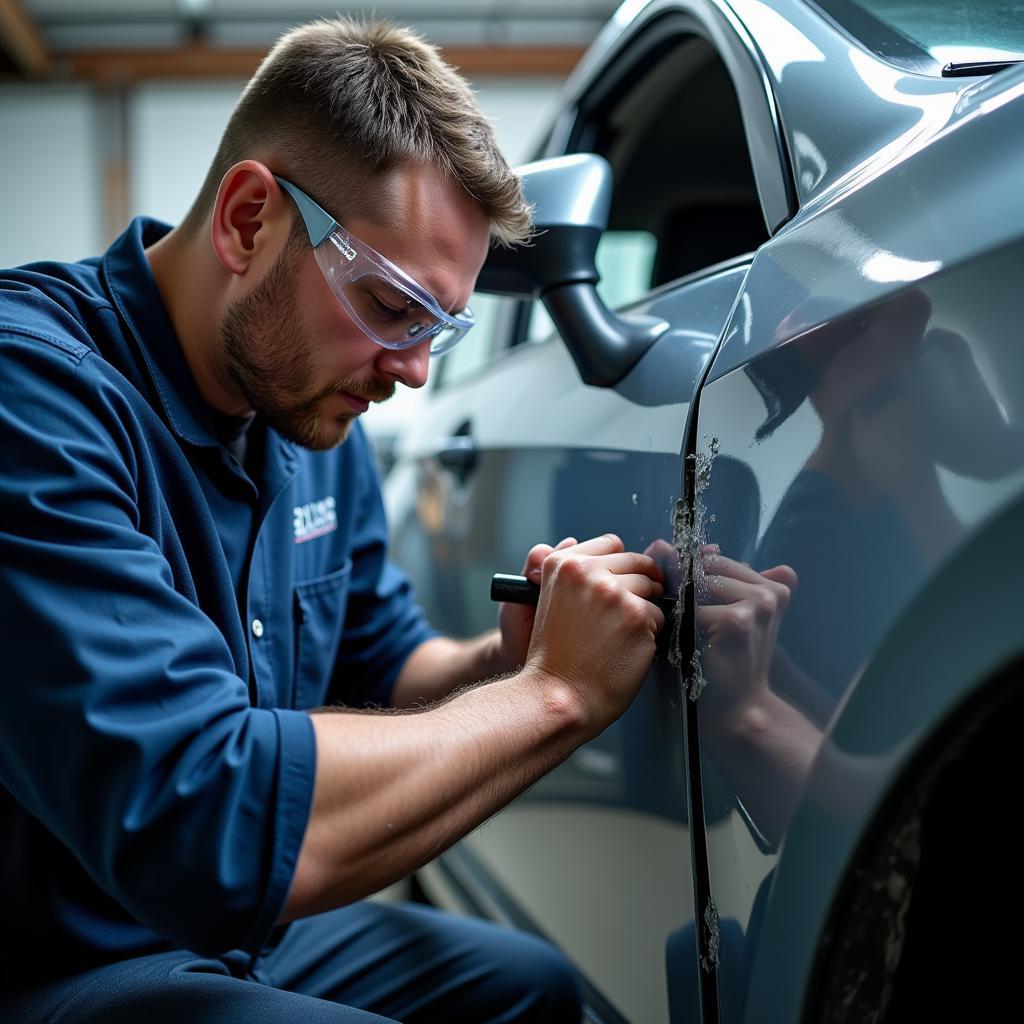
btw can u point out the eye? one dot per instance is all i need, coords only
(386, 310)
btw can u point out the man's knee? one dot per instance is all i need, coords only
(538, 984)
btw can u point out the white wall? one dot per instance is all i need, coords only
(51, 194)
(54, 143)
(173, 132)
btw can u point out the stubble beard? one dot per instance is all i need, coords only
(266, 358)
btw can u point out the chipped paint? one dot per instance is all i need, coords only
(682, 531)
(697, 680)
(689, 535)
(709, 959)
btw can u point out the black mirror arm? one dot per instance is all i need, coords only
(604, 345)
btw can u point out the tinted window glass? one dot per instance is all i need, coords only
(951, 31)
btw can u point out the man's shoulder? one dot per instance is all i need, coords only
(61, 305)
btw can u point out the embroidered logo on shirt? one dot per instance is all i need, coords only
(314, 519)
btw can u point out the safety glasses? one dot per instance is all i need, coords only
(384, 301)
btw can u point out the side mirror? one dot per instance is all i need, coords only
(571, 196)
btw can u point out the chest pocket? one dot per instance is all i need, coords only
(319, 613)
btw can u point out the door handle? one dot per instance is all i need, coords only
(458, 453)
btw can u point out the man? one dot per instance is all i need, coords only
(200, 622)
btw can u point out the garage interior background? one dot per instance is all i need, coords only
(112, 108)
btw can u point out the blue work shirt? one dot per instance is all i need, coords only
(165, 620)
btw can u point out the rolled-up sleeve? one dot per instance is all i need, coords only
(125, 728)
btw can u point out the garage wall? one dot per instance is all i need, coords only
(50, 173)
(58, 142)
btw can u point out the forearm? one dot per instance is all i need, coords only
(767, 751)
(441, 665)
(393, 790)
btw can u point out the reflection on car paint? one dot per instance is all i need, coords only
(886, 436)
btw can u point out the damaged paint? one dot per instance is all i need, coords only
(697, 680)
(682, 530)
(710, 958)
(689, 535)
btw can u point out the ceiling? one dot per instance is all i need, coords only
(124, 40)
(68, 25)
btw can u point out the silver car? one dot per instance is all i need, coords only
(774, 317)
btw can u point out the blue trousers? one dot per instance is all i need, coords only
(370, 963)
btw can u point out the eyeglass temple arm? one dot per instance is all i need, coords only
(319, 223)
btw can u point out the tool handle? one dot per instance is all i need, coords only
(519, 590)
(514, 589)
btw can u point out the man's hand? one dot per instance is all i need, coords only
(515, 621)
(392, 791)
(740, 623)
(596, 623)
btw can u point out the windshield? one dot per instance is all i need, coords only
(951, 31)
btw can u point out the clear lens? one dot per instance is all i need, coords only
(446, 338)
(391, 313)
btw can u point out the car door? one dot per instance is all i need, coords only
(514, 449)
(866, 407)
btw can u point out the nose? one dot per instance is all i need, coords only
(408, 366)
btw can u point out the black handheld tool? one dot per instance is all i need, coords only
(520, 590)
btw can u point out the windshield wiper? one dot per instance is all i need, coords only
(968, 69)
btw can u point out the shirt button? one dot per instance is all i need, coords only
(257, 628)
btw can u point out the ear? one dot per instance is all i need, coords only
(251, 220)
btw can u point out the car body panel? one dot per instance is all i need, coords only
(883, 728)
(849, 401)
(880, 440)
(621, 798)
(844, 110)
(929, 209)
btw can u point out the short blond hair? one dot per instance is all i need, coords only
(343, 102)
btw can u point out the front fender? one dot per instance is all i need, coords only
(955, 641)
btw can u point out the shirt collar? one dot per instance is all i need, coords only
(135, 294)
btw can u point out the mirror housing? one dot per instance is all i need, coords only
(571, 197)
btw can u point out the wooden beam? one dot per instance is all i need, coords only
(197, 61)
(513, 60)
(119, 67)
(20, 37)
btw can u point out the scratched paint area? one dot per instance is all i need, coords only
(689, 535)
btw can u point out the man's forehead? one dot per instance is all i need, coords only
(427, 225)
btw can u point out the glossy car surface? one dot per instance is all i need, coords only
(833, 234)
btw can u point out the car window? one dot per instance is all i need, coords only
(666, 117)
(951, 32)
(669, 123)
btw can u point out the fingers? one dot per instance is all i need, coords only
(782, 574)
(617, 562)
(633, 562)
(718, 565)
(641, 585)
(661, 549)
(606, 544)
(731, 583)
(535, 559)
(544, 559)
